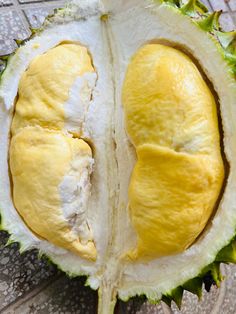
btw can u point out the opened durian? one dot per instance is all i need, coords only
(117, 141)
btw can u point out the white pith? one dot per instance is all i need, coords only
(74, 191)
(133, 24)
(80, 93)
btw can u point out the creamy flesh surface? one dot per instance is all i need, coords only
(50, 168)
(171, 119)
(44, 89)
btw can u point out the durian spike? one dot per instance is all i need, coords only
(167, 300)
(177, 296)
(201, 6)
(176, 3)
(189, 8)
(227, 41)
(211, 22)
(193, 7)
(227, 254)
(9, 242)
(194, 286)
(213, 270)
(19, 41)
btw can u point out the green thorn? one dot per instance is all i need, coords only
(4, 58)
(193, 7)
(9, 242)
(227, 254)
(176, 3)
(214, 270)
(154, 301)
(177, 296)
(211, 22)
(167, 300)
(34, 30)
(189, 8)
(21, 249)
(227, 39)
(201, 6)
(194, 286)
(19, 41)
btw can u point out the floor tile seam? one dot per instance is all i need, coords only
(10, 308)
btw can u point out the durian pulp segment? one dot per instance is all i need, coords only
(171, 120)
(51, 169)
(45, 87)
(39, 159)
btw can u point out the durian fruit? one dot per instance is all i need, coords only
(117, 141)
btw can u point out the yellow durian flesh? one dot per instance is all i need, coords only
(39, 160)
(43, 153)
(171, 119)
(45, 86)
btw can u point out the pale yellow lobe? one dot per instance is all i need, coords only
(45, 161)
(44, 87)
(172, 121)
(39, 160)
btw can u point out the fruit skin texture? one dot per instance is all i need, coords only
(172, 121)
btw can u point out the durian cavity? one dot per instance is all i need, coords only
(51, 162)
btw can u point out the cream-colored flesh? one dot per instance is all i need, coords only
(132, 25)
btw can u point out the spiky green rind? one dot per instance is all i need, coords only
(167, 300)
(194, 286)
(175, 295)
(175, 3)
(213, 270)
(193, 8)
(224, 40)
(209, 276)
(228, 253)
(210, 23)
